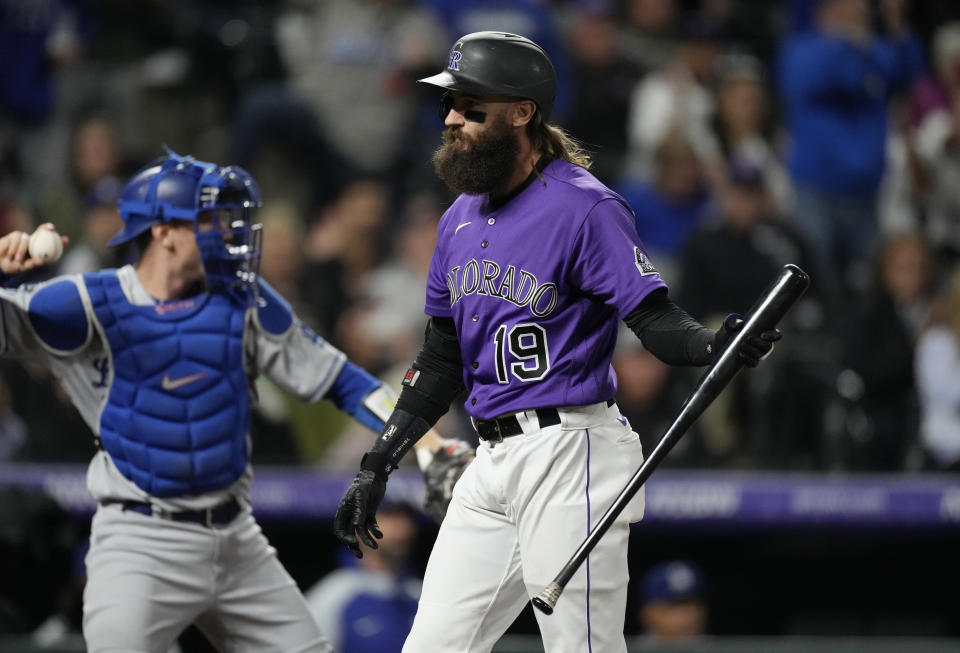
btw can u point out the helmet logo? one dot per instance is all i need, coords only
(455, 57)
(208, 195)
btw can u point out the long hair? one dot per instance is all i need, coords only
(552, 140)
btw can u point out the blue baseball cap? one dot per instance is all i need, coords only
(674, 580)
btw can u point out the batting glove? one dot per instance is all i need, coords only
(356, 514)
(753, 348)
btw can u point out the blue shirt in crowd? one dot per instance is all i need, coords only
(664, 224)
(836, 95)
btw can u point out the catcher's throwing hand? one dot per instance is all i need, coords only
(753, 348)
(442, 473)
(14, 256)
(356, 514)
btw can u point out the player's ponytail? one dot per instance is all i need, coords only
(552, 140)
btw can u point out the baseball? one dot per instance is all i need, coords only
(46, 245)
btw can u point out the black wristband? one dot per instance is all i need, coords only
(378, 463)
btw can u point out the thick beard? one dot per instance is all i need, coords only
(486, 164)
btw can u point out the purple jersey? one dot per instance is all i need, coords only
(536, 288)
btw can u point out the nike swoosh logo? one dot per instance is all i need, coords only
(172, 384)
(461, 226)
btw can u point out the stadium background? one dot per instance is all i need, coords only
(808, 495)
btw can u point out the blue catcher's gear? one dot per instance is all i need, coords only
(218, 200)
(176, 420)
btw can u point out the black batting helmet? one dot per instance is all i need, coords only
(499, 63)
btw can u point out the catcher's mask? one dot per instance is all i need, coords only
(219, 201)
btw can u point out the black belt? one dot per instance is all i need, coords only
(498, 428)
(219, 515)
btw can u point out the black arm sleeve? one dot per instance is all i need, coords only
(432, 382)
(669, 332)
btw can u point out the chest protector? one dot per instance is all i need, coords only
(176, 418)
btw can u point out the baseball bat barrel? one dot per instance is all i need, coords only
(765, 314)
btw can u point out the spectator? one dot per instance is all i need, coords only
(675, 98)
(392, 316)
(101, 219)
(741, 23)
(937, 137)
(649, 395)
(743, 125)
(353, 63)
(281, 260)
(347, 102)
(905, 180)
(272, 425)
(934, 95)
(369, 605)
(601, 77)
(670, 207)
(836, 82)
(14, 216)
(648, 39)
(880, 340)
(673, 605)
(343, 246)
(36, 38)
(96, 168)
(748, 243)
(725, 266)
(938, 383)
(384, 327)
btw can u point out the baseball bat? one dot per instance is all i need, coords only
(765, 314)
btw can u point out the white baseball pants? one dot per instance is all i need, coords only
(518, 512)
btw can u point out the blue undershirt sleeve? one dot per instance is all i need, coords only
(352, 386)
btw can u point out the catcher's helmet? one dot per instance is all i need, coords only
(499, 63)
(178, 187)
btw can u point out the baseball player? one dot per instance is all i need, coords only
(160, 359)
(535, 263)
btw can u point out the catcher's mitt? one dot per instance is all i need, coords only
(442, 473)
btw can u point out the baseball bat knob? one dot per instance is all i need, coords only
(547, 599)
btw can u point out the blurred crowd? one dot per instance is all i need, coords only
(745, 134)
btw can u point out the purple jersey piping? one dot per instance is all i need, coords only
(589, 637)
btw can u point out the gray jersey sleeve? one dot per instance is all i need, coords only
(51, 324)
(297, 359)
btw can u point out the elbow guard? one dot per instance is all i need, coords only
(435, 378)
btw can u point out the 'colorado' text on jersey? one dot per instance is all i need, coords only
(535, 288)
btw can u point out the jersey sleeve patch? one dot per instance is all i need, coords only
(58, 316)
(274, 313)
(643, 262)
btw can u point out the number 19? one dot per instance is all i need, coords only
(527, 343)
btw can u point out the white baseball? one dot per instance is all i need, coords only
(46, 245)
